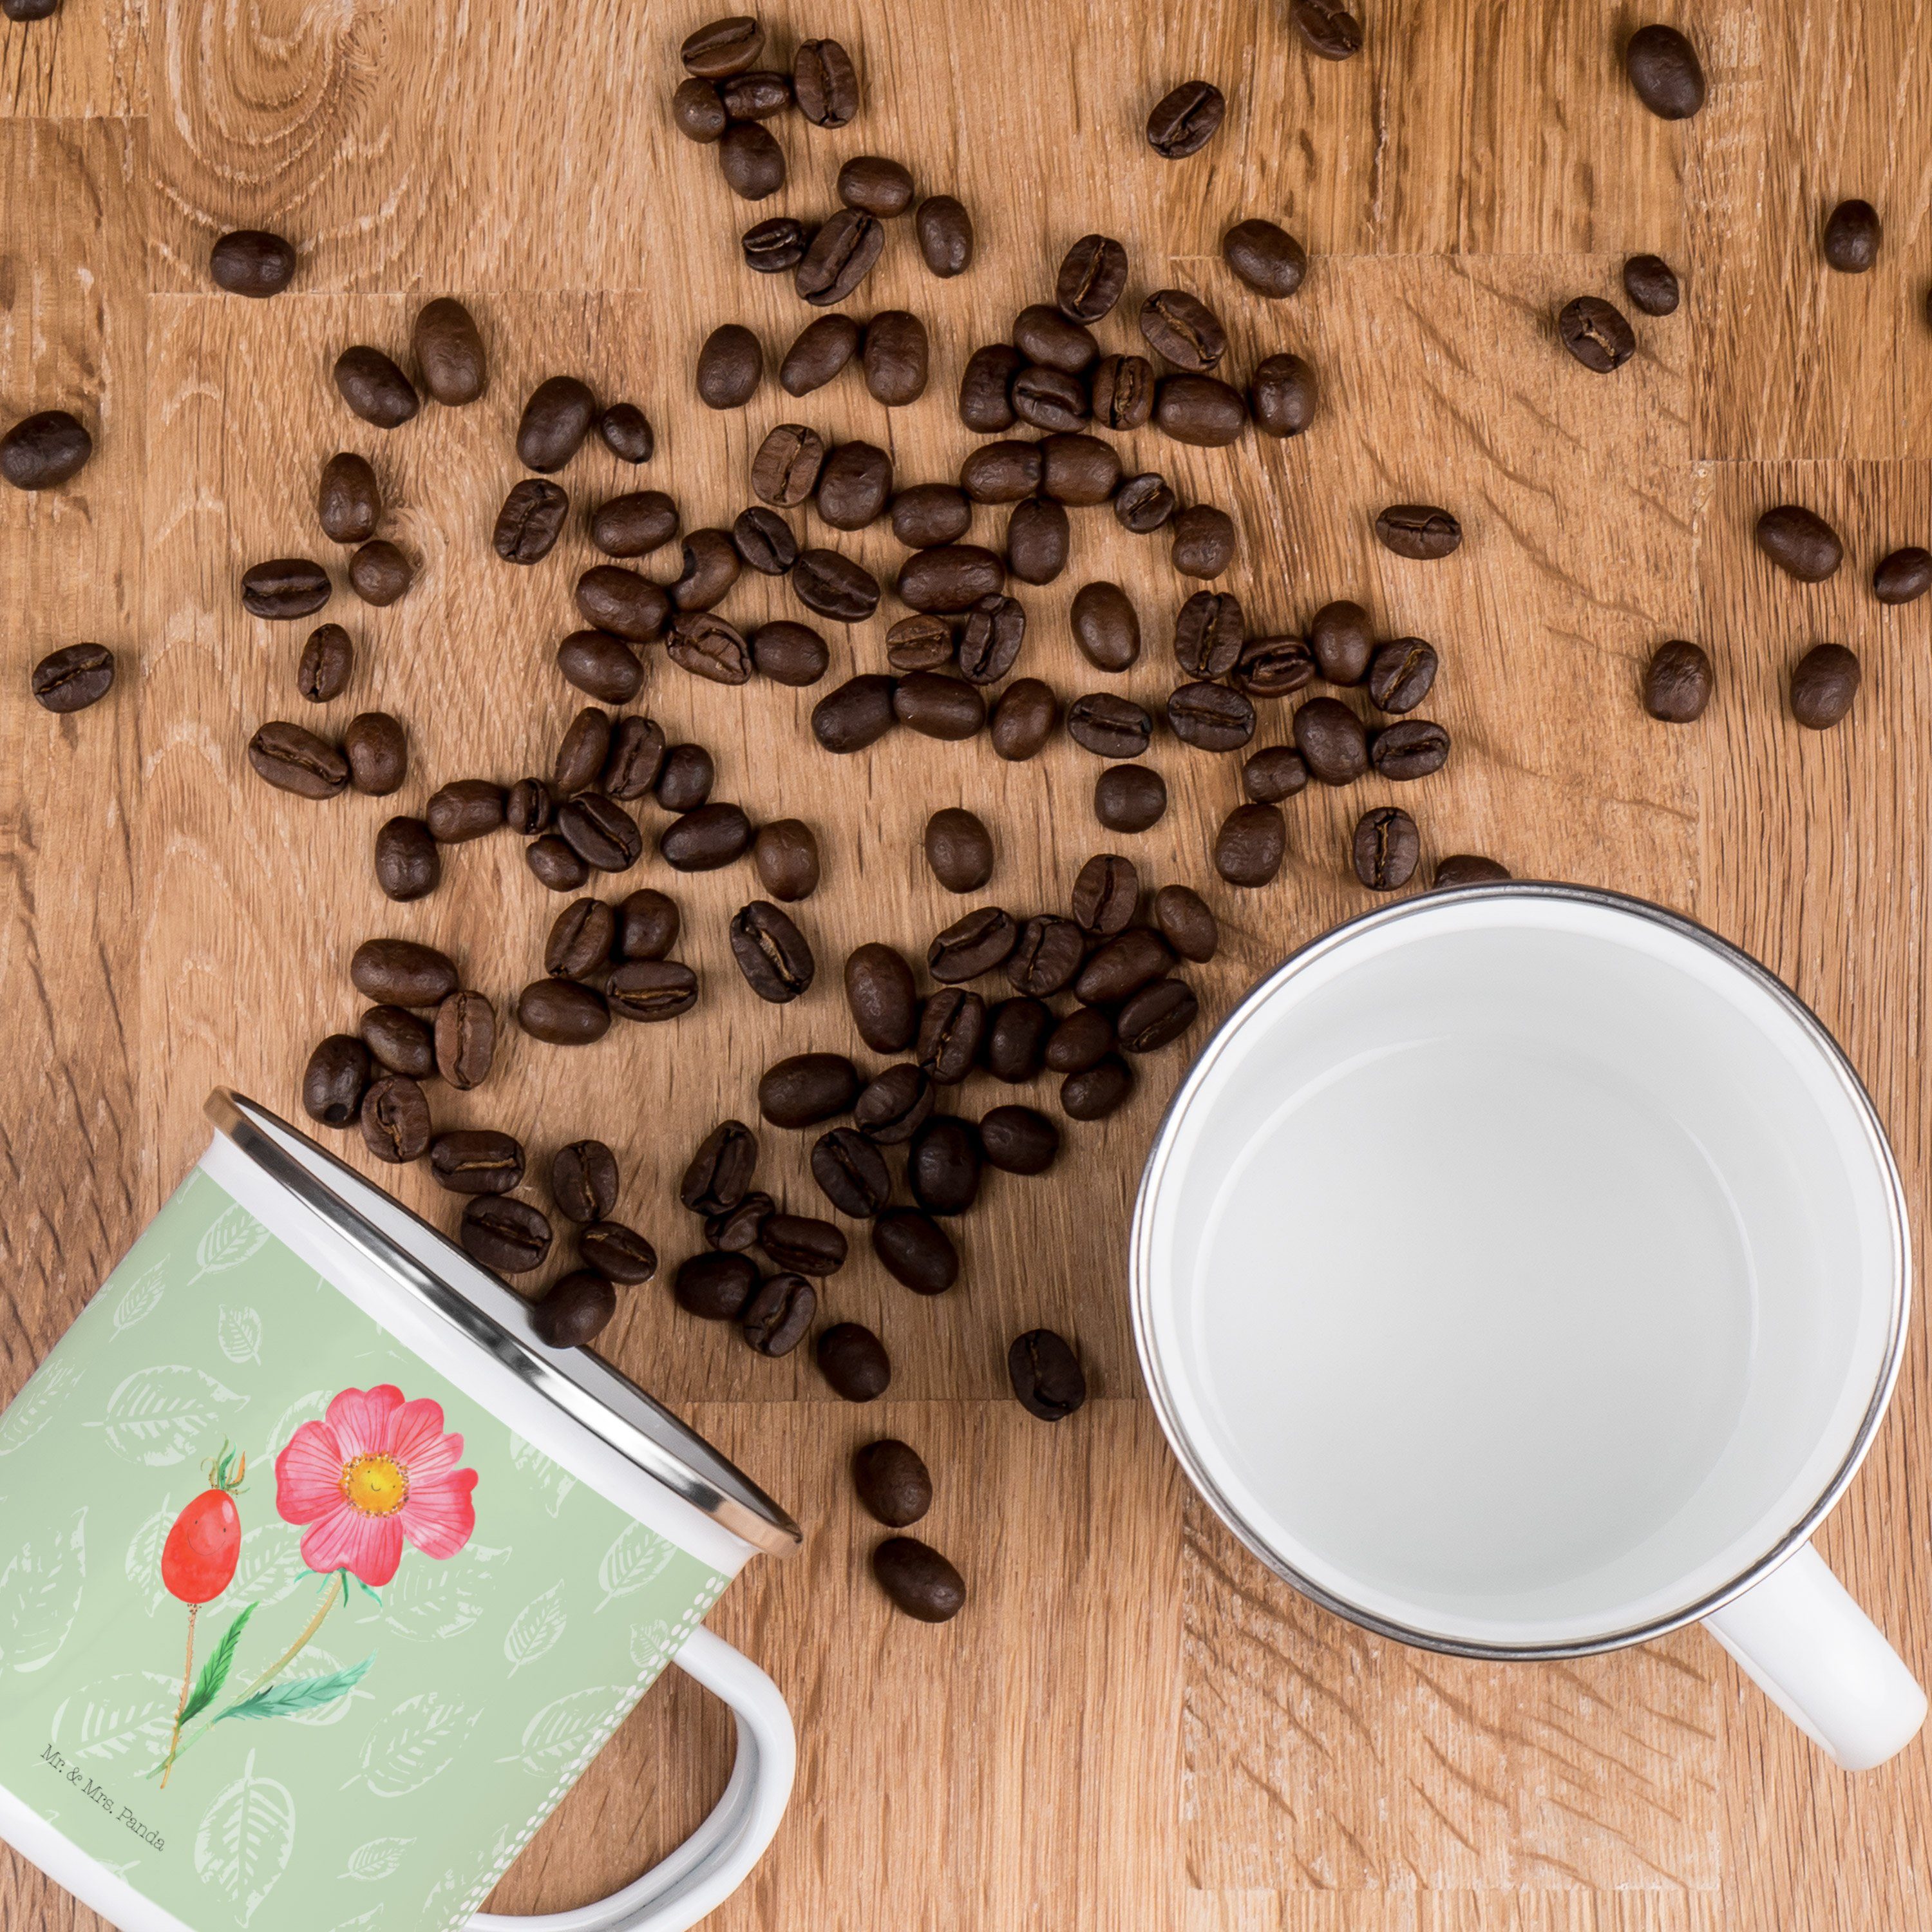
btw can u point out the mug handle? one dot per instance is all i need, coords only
(715, 1859)
(1822, 1662)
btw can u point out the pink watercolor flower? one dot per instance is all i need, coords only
(376, 1470)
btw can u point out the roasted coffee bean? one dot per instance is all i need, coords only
(785, 470)
(1130, 798)
(698, 110)
(1128, 962)
(647, 925)
(876, 185)
(1597, 334)
(1664, 68)
(731, 364)
(449, 353)
(841, 256)
(1108, 726)
(626, 433)
(755, 96)
(1677, 683)
(853, 1360)
(478, 1160)
(1800, 542)
(1098, 1091)
(1106, 892)
(1183, 330)
(771, 952)
(348, 502)
(854, 485)
(1044, 1370)
(1106, 626)
(752, 163)
(789, 653)
(1082, 1039)
(1385, 848)
(985, 387)
(929, 514)
(293, 760)
(378, 752)
(581, 754)
(1093, 274)
(1050, 399)
(375, 388)
(649, 990)
(774, 246)
(786, 857)
(880, 990)
(1207, 634)
(1651, 283)
(1418, 531)
(286, 587)
(851, 1172)
(1183, 121)
(721, 47)
(1024, 719)
(800, 1244)
(1272, 666)
(857, 714)
(44, 450)
(942, 1165)
(466, 1039)
(333, 1081)
(945, 231)
(917, 1252)
(1333, 740)
(921, 643)
(395, 1119)
(702, 840)
(1210, 717)
(1019, 1140)
(685, 779)
(1038, 540)
(896, 358)
(618, 1253)
(553, 865)
(631, 525)
(834, 586)
(465, 809)
(737, 1228)
(973, 945)
(1046, 337)
(555, 421)
(399, 1041)
(806, 1088)
(511, 1237)
(1412, 749)
(1401, 673)
(1016, 1039)
(328, 661)
(408, 865)
(1187, 923)
(702, 643)
(1277, 772)
(919, 1580)
(530, 522)
(600, 831)
(1201, 410)
(248, 261)
(581, 938)
(891, 1482)
(1282, 395)
(824, 83)
(378, 572)
(1003, 471)
(1160, 1011)
(779, 1315)
(1902, 576)
(991, 638)
(1267, 258)
(1250, 845)
(1852, 233)
(951, 1024)
(1468, 868)
(601, 666)
(74, 677)
(584, 1181)
(715, 1286)
(563, 1012)
(712, 565)
(1342, 642)
(574, 1310)
(1119, 394)
(936, 707)
(1823, 683)
(890, 1107)
(1204, 541)
(720, 1172)
(622, 602)
(1047, 956)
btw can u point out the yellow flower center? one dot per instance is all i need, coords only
(376, 1485)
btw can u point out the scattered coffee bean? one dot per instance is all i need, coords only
(554, 866)
(631, 525)
(291, 759)
(1098, 1091)
(562, 1012)
(702, 643)
(395, 1120)
(647, 925)
(1038, 540)
(333, 1081)
(1045, 1375)
(1183, 330)
(1332, 739)
(1282, 395)
(771, 952)
(601, 666)
(379, 573)
(574, 1310)
(756, 95)
(945, 231)
(1823, 683)
(704, 840)
(1342, 642)
(1078, 471)
(1108, 726)
(972, 946)
(1207, 634)
(44, 450)
(722, 46)
(779, 1315)
(893, 1482)
(1650, 283)
(1800, 542)
(855, 484)
(685, 779)
(375, 388)
(286, 587)
(1267, 258)
(408, 865)
(891, 1106)
(1130, 798)
(952, 1026)
(1106, 893)
(1014, 1040)
(853, 1360)
(1082, 1039)
(856, 714)
(1385, 848)
(530, 521)
(449, 352)
(555, 421)
(74, 677)
(477, 1160)
(991, 638)
(834, 586)
(1187, 923)
(251, 262)
(1002, 472)
(1678, 683)
(1159, 1012)
(789, 653)
(880, 990)
(841, 256)
(1200, 410)
(399, 1041)
(720, 1172)
(1210, 717)
(1046, 956)
(712, 565)
(825, 83)
(1024, 719)
(649, 990)
(1852, 232)
(1046, 336)
(600, 831)
(773, 248)
(584, 1181)
(1468, 868)
(1327, 28)
(1400, 674)
(698, 110)
(1019, 1140)
(626, 433)
(806, 1088)
(800, 1244)
(927, 515)
(582, 752)
(622, 602)
(919, 1580)
(737, 1229)
(1664, 70)
(916, 1251)
(1418, 531)
(1050, 399)
(984, 402)
(942, 1165)
(581, 939)
(896, 358)
(1251, 844)
(852, 1172)
(1183, 121)
(1902, 576)
(786, 857)
(1596, 333)
(730, 366)
(1272, 666)
(1204, 542)
(1276, 773)
(1130, 960)
(1121, 393)
(715, 1286)
(1106, 626)
(348, 501)
(1092, 275)
(510, 1236)
(377, 750)
(618, 1253)
(752, 163)
(876, 185)
(936, 707)
(465, 1040)
(328, 661)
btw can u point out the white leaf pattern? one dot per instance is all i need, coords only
(553, 1483)
(637, 1557)
(132, 1712)
(310, 1408)
(143, 1296)
(378, 1859)
(233, 1236)
(433, 1602)
(39, 1596)
(649, 1642)
(162, 1415)
(238, 1333)
(368, 1918)
(33, 1408)
(142, 1563)
(269, 1569)
(535, 1630)
(417, 1741)
(563, 1732)
(245, 1840)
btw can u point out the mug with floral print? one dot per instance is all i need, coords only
(321, 1579)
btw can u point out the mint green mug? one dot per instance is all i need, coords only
(323, 1579)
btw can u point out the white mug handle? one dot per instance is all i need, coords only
(1822, 1662)
(715, 1859)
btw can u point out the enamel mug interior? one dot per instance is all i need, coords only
(1520, 1270)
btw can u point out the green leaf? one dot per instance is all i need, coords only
(304, 1693)
(214, 1672)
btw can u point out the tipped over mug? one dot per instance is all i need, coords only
(1521, 1271)
(322, 1578)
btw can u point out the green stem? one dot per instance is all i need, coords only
(187, 1684)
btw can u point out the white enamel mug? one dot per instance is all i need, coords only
(1522, 1272)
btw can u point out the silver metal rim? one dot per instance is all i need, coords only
(581, 1385)
(1223, 1039)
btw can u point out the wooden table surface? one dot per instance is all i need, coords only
(1132, 1724)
